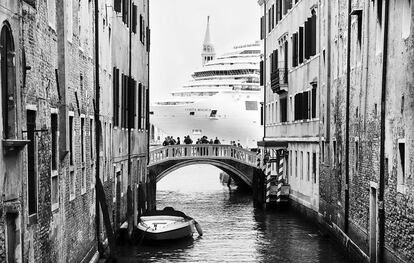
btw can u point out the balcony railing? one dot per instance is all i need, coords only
(279, 80)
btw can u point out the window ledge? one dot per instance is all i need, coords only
(14, 145)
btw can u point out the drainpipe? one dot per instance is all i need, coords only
(264, 72)
(328, 84)
(348, 88)
(97, 127)
(381, 212)
(130, 121)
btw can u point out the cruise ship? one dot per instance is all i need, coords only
(221, 100)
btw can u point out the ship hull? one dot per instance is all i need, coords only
(229, 116)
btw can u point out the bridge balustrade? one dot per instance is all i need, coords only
(203, 151)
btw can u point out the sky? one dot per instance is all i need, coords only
(177, 34)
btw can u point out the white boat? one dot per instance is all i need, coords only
(222, 100)
(167, 224)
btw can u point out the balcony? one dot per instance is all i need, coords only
(279, 80)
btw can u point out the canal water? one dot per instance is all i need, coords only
(233, 230)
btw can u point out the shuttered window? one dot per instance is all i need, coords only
(283, 109)
(31, 162)
(148, 39)
(295, 50)
(300, 45)
(140, 105)
(134, 18)
(314, 89)
(307, 40)
(141, 26)
(115, 103)
(313, 35)
(125, 8)
(261, 73)
(117, 6)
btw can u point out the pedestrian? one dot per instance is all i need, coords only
(178, 141)
(211, 141)
(165, 143)
(216, 141)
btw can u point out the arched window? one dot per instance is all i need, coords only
(8, 82)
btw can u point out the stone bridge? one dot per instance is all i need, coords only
(239, 163)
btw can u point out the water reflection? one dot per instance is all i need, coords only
(233, 230)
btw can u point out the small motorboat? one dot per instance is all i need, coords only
(167, 224)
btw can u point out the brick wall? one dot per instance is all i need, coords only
(364, 139)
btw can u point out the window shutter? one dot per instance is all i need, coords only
(313, 35)
(261, 28)
(148, 39)
(307, 39)
(134, 18)
(261, 73)
(139, 105)
(141, 20)
(114, 96)
(300, 45)
(117, 6)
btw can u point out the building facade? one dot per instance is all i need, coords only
(349, 104)
(51, 125)
(291, 112)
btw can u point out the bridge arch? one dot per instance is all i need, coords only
(216, 163)
(237, 162)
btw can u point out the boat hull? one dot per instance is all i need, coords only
(179, 233)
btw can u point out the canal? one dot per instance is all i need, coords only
(233, 230)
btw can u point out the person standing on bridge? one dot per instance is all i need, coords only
(216, 141)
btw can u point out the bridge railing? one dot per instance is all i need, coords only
(202, 151)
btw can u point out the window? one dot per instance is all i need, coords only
(51, 13)
(283, 109)
(301, 165)
(314, 96)
(125, 10)
(54, 131)
(295, 49)
(401, 164)
(31, 162)
(115, 91)
(262, 28)
(302, 106)
(251, 105)
(141, 28)
(8, 76)
(134, 18)
(402, 104)
(296, 163)
(82, 139)
(55, 179)
(308, 170)
(314, 167)
(72, 181)
(312, 34)
(140, 101)
(54, 190)
(301, 58)
(91, 138)
(356, 156)
(117, 5)
(71, 139)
